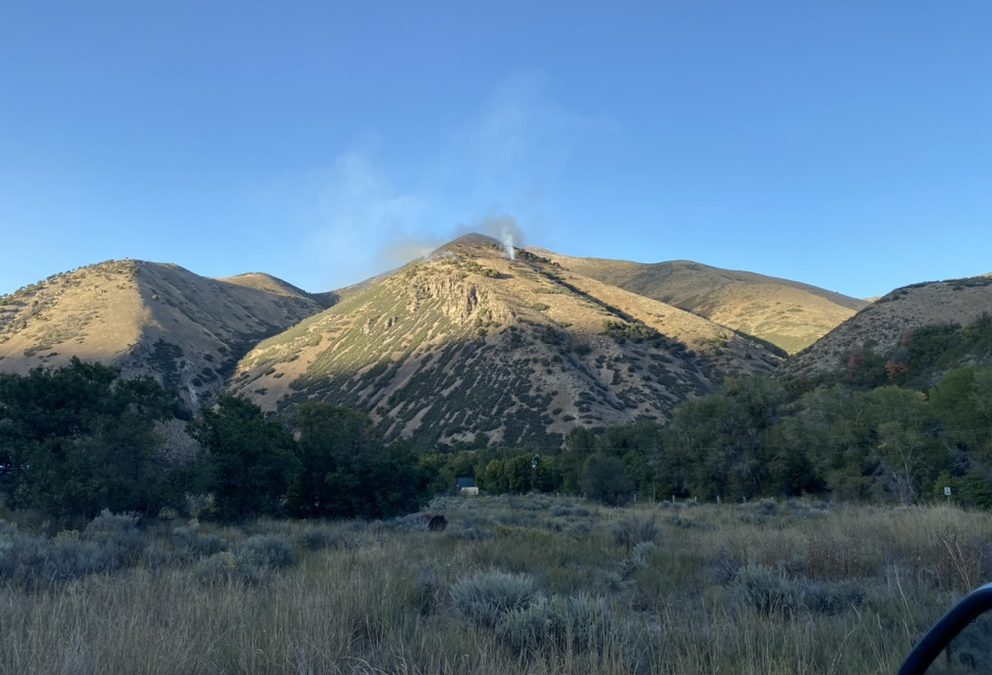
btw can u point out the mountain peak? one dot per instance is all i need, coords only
(470, 342)
(471, 240)
(148, 318)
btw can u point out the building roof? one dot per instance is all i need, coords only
(464, 482)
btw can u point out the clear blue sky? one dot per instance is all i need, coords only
(845, 144)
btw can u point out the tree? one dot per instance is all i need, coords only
(332, 443)
(877, 445)
(906, 456)
(637, 445)
(394, 482)
(605, 479)
(718, 446)
(509, 474)
(579, 444)
(249, 459)
(81, 439)
(346, 470)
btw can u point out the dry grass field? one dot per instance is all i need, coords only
(533, 584)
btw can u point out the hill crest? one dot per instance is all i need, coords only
(148, 318)
(789, 314)
(883, 323)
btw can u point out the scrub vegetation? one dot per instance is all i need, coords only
(532, 584)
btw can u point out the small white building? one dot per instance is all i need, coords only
(466, 486)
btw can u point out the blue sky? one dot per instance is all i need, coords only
(845, 144)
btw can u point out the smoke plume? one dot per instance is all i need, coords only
(507, 231)
(402, 248)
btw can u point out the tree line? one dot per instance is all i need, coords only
(80, 439)
(896, 427)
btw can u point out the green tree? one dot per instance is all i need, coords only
(333, 443)
(579, 444)
(82, 439)
(605, 479)
(509, 474)
(638, 445)
(876, 445)
(718, 446)
(347, 471)
(250, 459)
(962, 402)
(905, 453)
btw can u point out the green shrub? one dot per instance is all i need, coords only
(265, 551)
(636, 529)
(119, 537)
(318, 538)
(110, 542)
(529, 628)
(581, 621)
(219, 567)
(69, 558)
(834, 597)
(427, 590)
(585, 621)
(484, 598)
(768, 591)
(253, 561)
(190, 544)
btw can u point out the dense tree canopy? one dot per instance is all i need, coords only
(250, 460)
(80, 439)
(347, 470)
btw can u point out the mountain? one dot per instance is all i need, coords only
(788, 314)
(469, 345)
(148, 318)
(261, 281)
(886, 321)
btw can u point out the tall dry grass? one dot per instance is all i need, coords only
(761, 588)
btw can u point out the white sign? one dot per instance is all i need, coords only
(947, 492)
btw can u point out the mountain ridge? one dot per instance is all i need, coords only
(889, 319)
(786, 313)
(147, 318)
(460, 343)
(467, 341)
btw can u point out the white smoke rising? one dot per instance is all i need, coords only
(507, 231)
(402, 248)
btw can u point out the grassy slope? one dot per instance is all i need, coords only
(788, 314)
(470, 341)
(885, 321)
(276, 286)
(148, 318)
(855, 588)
